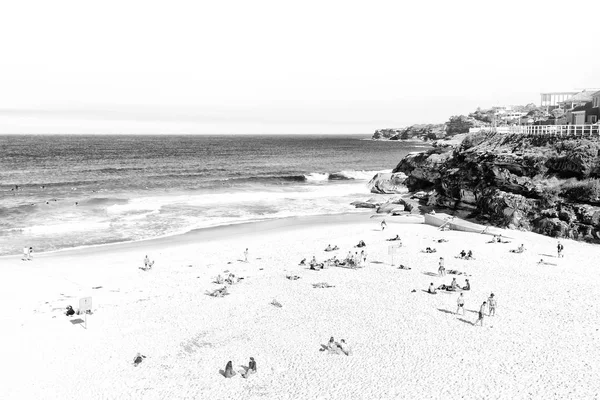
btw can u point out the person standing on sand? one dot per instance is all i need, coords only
(246, 255)
(383, 225)
(492, 305)
(559, 249)
(481, 313)
(441, 269)
(146, 262)
(460, 303)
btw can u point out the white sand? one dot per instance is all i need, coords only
(543, 342)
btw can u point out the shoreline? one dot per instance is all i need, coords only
(218, 232)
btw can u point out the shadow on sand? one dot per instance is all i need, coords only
(465, 321)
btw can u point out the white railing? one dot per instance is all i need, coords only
(544, 130)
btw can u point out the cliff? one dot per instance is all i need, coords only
(544, 184)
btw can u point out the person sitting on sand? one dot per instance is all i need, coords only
(303, 262)
(335, 247)
(328, 248)
(431, 289)
(519, 249)
(137, 360)
(229, 372)
(360, 244)
(467, 285)
(454, 285)
(470, 255)
(313, 261)
(462, 254)
(394, 238)
(70, 311)
(430, 250)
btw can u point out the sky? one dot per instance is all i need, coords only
(219, 67)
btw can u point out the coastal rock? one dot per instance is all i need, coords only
(364, 204)
(388, 183)
(544, 184)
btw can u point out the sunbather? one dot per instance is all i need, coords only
(394, 238)
(431, 289)
(429, 250)
(229, 372)
(360, 244)
(519, 249)
(467, 285)
(70, 311)
(328, 248)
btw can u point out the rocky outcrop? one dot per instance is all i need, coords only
(544, 184)
(421, 131)
(388, 183)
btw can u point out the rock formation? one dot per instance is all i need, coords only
(545, 184)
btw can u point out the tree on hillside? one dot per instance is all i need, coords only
(486, 116)
(458, 124)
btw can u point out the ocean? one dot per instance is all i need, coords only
(66, 191)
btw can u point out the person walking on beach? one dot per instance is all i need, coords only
(492, 305)
(460, 302)
(146, 262)
(441, 269)
(481, 313)
(246, 255)
(383, 225)
(30, 253)
(25, 254)
(559, 249)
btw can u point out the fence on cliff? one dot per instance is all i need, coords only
(564, 131)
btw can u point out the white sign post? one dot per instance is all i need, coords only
(85, 305)
(392, 250)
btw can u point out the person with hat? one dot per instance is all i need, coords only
(492, 305)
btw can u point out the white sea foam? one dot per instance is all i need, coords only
(67, 227)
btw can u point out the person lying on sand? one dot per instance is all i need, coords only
(360, 244)
(442, 240)
(328, 248)
(431, 289)
(403, 267)
(218, 292)
(542, 262)
(292, 277)
(429, 250)
(343, 347)
(519, 249)
(394, 238)
(454, 272)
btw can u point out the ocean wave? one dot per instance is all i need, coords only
(309, 177)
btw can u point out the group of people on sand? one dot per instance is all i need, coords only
(498, 239)
(147, 264)
(466, 255)
(452, 287)
(334, 347)
(329, 248)
(245, 373)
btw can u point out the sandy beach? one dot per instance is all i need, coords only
(542, 342)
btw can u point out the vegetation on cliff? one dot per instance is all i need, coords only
(544, 184)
